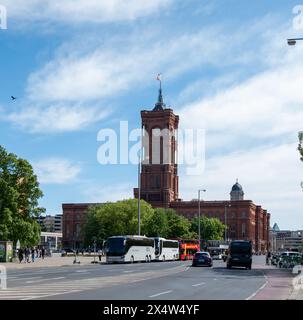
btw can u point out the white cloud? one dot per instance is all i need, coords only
(252, 134)
(55, 118)
(83, 72)
(83, 11)
(120, 65)
(270, 176)
(56, 171)
(265, 106)
(114, 192)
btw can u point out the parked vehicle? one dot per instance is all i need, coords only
(129, 249)
(289, 259)
(202, 258)
(239, 254)
(67, 251)
(166, 249)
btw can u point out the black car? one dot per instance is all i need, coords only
(202, 258)
(239, 254)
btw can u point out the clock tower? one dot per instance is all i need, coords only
(159, 169)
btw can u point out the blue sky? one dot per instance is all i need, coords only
(81, 66)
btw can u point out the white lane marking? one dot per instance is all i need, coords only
(81, 271)
(261, 288)
(21, 278)
(129, 271)
(50, 295)
(215, 279)
(198, 284)
(159, 294)
(41, 280)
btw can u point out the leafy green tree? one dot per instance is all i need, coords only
(19, 196)
(157, 224)
(211, 228)
(178, 226)
(118, 218)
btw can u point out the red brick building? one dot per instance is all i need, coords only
(160, 184)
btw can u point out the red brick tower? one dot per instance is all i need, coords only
(159, 170)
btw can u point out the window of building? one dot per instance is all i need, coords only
(243, 229)
(156, 133)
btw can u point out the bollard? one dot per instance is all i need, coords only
(3, 278)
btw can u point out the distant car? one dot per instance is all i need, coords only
(67, 251)
(202, 258)
(217, 256)
(289, 259)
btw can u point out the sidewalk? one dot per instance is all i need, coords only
(279, 284)
(55, 261)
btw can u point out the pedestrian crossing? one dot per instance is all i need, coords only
(53, 287)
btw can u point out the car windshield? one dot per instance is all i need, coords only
(202, 254)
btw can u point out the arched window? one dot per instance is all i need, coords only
(156, 145)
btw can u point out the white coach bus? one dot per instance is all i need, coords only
(129, 249)
(166, 249)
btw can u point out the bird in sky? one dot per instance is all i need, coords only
(13, 98)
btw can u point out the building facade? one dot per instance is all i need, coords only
(159, 186)
(50, 223)
(286, 240)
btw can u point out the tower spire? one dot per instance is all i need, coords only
(160, 105)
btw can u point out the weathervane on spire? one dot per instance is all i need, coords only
(160, 105)
(159, 78)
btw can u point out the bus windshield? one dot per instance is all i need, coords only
(115, 246)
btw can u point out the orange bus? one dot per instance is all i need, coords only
(187, 248)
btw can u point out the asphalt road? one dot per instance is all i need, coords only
(139, 281)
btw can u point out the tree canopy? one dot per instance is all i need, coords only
(118, 218)
(121, 218)
(211, 228)
(19, 195)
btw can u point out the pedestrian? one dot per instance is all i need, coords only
(25, 255)
(268, 256)
(20, 255)
(33, 254)
(42, 253)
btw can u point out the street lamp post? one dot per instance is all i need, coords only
(199, 210)
(139, 196)
(293, 42)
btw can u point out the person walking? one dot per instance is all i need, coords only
(268, 256)
(33, 254)
(43, 253)
(20, 255)
(25, 255)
